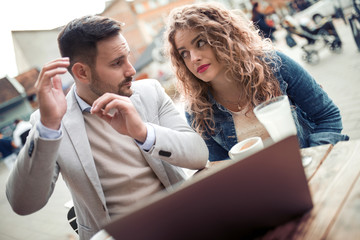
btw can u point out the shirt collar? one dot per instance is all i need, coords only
(82, 104)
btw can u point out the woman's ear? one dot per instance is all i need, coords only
(82, 72)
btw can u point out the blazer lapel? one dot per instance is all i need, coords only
(156, 164)
(136, 100)
(73, 123)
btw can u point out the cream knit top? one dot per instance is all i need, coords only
(125, 175)
(247, 125)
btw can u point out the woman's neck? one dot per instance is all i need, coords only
(228, 94)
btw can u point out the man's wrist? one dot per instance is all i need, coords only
(150, 138)
(54, 125)
(48, 133)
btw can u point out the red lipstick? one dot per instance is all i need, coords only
(203, 68)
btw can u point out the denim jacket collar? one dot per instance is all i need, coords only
(215, 103)
(225, 133)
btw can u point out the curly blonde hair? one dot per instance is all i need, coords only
(247, 57)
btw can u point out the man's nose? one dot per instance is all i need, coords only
(130, 70)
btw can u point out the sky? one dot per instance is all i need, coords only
(36, 15)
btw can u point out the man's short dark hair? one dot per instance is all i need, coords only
(78, 38)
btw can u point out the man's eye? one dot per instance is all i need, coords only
(118, 63)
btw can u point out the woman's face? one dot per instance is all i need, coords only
(198, 55)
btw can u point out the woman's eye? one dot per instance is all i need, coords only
(184, 54)
(201, 43)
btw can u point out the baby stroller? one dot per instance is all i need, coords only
(323, 35)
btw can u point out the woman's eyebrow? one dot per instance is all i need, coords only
(192, 42)
(196, 38)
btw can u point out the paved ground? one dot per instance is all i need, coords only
(48, 223)
(339, 74)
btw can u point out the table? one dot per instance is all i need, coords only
(334, 182)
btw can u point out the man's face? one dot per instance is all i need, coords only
(113, 72)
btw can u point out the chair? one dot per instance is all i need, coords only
(23, 136)
(71, 216)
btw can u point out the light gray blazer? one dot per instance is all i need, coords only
(39, 163)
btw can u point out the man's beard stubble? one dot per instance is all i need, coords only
(96, 83)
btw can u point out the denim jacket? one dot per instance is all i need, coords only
(317, 118)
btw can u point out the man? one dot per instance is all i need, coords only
(113, 140)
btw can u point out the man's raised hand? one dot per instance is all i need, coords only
(51, 98)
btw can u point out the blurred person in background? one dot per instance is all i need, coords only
(7, 151)
(115, 142)
(259, 17)
(224, 69)
(22, 129)
(300, 5)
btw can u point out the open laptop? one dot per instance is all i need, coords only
(239, 201)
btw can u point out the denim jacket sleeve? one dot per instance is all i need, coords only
(216, 151)
(322, 115)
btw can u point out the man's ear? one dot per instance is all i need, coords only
(82, 72)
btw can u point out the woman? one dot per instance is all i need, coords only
(224, 69)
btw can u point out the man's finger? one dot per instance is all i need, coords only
(51, 69)
(57, 82)
(45, 79)
(104, 100)
(114, 106)
(58, 63)
(101, 102)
